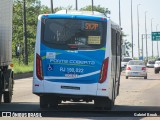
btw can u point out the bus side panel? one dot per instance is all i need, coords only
(118, 63)
(115, 69)
(108, 83)
(37, 84)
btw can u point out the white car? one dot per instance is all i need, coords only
(157, 66)
(136, 68)
(150, 64)
(124, 62)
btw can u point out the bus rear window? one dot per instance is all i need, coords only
(73, 34)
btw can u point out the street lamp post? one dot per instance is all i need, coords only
(92, 6)
(132, 27)
(120, 13)
(52, 6)
(138, 28)
(76, 5)
(142, 46)
(151, 33)
(146, 37)
(157, 41)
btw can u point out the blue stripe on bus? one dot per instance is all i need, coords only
(76, 80)
(69, 16)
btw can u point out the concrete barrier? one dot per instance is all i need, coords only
(23, 75)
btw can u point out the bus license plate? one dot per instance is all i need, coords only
(70, 75)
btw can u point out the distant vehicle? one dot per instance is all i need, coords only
(77, 58)
(151, 63)
(6, 71)
(136, 68)
(157, 66)
(124, 62)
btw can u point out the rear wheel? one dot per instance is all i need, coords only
(43, 102)
(156, 71)
(8, 94)
(0, 92)
(53, 102)
(145, 77)
(126, 77)
(103, 103)
(49, 101)
(0, 98)
(1, 87)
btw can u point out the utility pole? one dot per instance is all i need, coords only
(25, 34)
(151, 33)
(76, 5)
(138, 29)
(92, 6)
(146, 37)
(132, 28)
(142, 46)
(120, 13)
(52, 6)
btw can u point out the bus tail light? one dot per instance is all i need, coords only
(39, 71)
(104, 70)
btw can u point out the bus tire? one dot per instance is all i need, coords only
(0, 98)
(53, 103)
(43, 102)
(1, 87)
(8, 94)
(145, 77)
(103, 103)
(155, 71)
(0, 92)
(109, 104)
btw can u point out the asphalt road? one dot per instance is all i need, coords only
(136, 94)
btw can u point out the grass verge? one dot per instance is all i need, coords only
(19, 67)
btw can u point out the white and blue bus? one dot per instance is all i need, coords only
(77, 58)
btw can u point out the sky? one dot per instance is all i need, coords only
(151, 7)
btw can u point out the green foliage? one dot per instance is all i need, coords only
(98, 8)
(19, 67)
(128, 46)
(33, 9)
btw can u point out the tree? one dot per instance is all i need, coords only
(33, 9)
(98, 8)
(128, 46)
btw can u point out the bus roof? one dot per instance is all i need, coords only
(77, 14)
(90, 15)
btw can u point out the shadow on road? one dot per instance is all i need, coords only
(135, 108)
(141, 78)
(79, 110)
(74, 107)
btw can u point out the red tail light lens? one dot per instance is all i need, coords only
(143, 68)
(39, 72)
(128, 68)
(104, 70)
